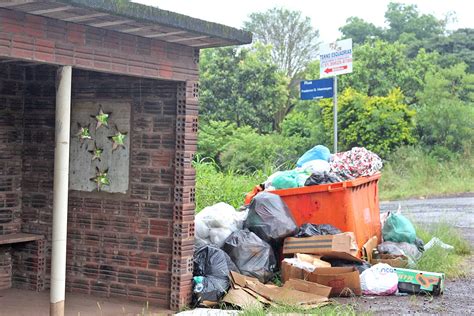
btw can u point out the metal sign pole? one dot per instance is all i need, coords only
(334, 99)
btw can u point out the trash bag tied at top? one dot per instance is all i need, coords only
(252, 256)
(214, 265)
(270, 218)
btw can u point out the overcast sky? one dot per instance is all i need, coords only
(326, 16)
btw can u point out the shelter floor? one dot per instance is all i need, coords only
(15, 302)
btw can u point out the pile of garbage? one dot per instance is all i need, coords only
(318, 166)
(242, 256)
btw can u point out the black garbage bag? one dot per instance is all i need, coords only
(420, 244)
(322, 178)
(360, 266)
(252, 256)
(214, 265)
(269, 218)
(308, 230)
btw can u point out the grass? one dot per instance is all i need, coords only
(436, 259)
(413, 173)
(335, 309)
(214, 185)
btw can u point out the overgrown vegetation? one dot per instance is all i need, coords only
(333, 309)
(412, 172)
(440, 260)
(410, 99)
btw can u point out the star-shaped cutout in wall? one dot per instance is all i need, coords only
(102, 119)
(83, 133)
(101, 178)
(118, 140)
(96, 152)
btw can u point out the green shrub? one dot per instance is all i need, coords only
(448, 124)
(380, 124)
(247, 153)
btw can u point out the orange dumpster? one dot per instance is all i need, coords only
(350, 206)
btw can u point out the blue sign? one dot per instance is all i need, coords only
(317, 89)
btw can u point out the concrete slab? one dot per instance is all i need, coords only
(84, 162)
(15, 302)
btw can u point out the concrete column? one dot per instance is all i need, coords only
(60, 194)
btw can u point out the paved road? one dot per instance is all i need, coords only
(458, 211)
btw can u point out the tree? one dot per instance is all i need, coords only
(446, 111)
(242, 86)
(454, 48)
(379, 67)
(405, 18)
(360, 30)
(294, 41)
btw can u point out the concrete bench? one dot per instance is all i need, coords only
(22, 261)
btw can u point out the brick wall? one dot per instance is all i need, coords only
(137, 245)
(11, 122)
(41, 39)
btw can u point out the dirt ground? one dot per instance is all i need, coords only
(458, 295)
(456, 300)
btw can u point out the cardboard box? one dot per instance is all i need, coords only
(395, 261)
(247, 291)
(308, 287)
(415, 281)
(344, 281)
(341, 243)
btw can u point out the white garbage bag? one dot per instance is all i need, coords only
(217, 222)
(316, 166)
(380, 279)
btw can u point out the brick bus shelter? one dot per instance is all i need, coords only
(98, 128)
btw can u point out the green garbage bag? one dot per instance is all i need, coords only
(398, 228)
(289, 179)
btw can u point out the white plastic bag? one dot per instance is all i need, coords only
(380, 279)
(297, 263)
(217, 222)
(315, 166)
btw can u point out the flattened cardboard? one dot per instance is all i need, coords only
(309, 287)
(340, 246)
(345, 281)
(240, 280)
(241, 298)
(274, 294)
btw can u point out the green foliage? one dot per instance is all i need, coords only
(251, 152)
(293, 39)
(446, 111)
(438, 259)
(405, 19)
(412, 172)
(214, 186)
(380, 124)
(242, 86)
(297, 124)
(379, 67)
(214, 136)
(455, 48)
(360, 30)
